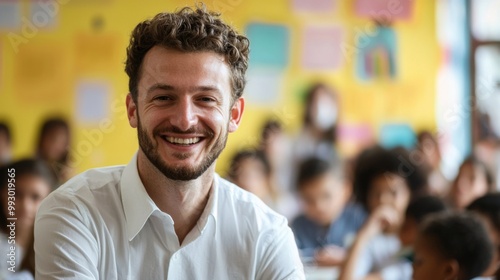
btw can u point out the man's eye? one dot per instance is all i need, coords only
(207, 99)
(163, 98)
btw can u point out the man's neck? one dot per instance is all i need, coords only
(184, 201)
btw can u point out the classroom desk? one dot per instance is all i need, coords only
(321, 273)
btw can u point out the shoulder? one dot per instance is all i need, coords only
(83, 188)
(354, 211)
(245, 207)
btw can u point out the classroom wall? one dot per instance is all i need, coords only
(78, 58)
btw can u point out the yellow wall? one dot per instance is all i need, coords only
(73, 51)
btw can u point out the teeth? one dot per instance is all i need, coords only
(183, 141)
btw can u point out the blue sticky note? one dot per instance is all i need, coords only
(393, 135)
(10, 15)
(269, 45)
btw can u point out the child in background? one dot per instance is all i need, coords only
(250, 170)
(33, 181)
(385, 181)
(53, 147)
(488, 209)
(452, 246)
(417, 211)
(329, 221)
(473, 181)
(5, 144)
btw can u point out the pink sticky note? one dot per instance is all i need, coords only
(322, 47)
(314, 5)
(385, 10)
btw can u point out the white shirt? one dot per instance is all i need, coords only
(102, 224)
(378, 255)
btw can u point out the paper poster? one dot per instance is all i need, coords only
(354, 137)
(384, 10)
(263, 86)
(269, 45)
(393, 135)
(44, 13)
(98, 54)
(10, 14)
(318, 6)
(92, 101)
(322, 47)
(42, 73)
(376, 54)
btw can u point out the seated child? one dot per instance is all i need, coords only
(452, 246)
(329, 221)
(488, 209)
(250, 170)
(473, 180)
(385, 181)
(419, 209)
(33, 181)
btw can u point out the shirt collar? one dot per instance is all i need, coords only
(138, 206)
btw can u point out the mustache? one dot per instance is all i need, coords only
(192, 130)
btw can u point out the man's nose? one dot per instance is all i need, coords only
(184, 115)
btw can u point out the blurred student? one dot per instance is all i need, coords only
(385, 181)
(429, 148)
(329, 222)
(452, 246)
(33, 181)
(5, 144)
(400, 268)
(250, 170)
(473, 181)
(276, 147)
(488, 209)
(318, 134)
(53, 147)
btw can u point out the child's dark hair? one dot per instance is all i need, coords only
(25, 167)
(475, 162)
(377, 161)
(461, 237)
(489, 206)
(247, 154)
(4, 129)
(313, 168)
(423, 206)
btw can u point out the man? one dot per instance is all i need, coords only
(167, 215)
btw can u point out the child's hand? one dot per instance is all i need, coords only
(382, 219)
(330, 256)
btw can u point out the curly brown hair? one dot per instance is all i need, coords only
(188, 30)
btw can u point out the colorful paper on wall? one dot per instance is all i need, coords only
(42, 73)
(384, 10)
(10, 14)
(314, 5)
(376, 54)
(97, 54)
(269, 44)
(45, 13)
(393, 135)
(92, 101)
(263, 86)
(322, 47)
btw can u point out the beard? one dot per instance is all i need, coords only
(179, 173)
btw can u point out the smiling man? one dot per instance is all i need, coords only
(167, 214)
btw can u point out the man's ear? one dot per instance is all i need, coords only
(131, 111)
(452, 270)
(236, 113)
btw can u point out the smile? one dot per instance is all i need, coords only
(182, 141)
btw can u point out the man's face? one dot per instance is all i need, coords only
(184, 110)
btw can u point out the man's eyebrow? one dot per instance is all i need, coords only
(160, 86)
(171, 88)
